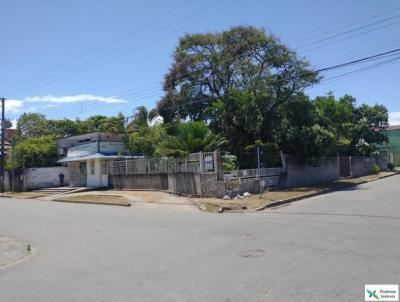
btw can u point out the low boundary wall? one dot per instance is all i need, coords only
(139, 181)
(38, 178)
(297, 175)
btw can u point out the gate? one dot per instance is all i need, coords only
(345, 166)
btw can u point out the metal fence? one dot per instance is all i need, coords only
(267, 177)
(244, 175)
(392, 156)
(194, 163)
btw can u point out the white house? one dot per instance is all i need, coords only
(87, 157)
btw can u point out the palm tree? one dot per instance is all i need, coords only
(190, 137)
(142, 118)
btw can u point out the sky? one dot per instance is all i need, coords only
(73, 59)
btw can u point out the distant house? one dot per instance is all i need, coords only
(87, 156)
(393, 145)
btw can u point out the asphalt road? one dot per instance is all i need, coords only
(320, 249)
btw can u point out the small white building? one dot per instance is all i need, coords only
(87, 157)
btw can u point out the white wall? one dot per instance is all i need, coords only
(93, 180)
(37, 178)
(96, 179)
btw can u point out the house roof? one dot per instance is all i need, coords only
(394, 127)
(94, 156)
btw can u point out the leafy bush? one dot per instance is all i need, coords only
(229, 162)
(375, 169)
(390, 166)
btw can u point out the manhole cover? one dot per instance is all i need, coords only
(252, 253)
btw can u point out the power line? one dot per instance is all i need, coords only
(95, 62)
(330, 68)
(105, 44)
(88, 63)
(334, 67)
(318, 41)
(349, 31)
(352, 36)
(135, 90)
(342, 75)
(311, 34)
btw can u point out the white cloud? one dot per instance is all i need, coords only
(50, 105)
(13, 106)
(394, 118)
(50, 101)
(74, 99)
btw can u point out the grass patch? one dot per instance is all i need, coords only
(23, 195)
(210, 208)
(115, 200)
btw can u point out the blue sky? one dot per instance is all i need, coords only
(78, 58)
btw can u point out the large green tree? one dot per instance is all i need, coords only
(105, 124)
(33, 124)
(145, 141)
(312, 130)
(33, 152)
(236, 81)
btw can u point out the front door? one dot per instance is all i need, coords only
(345, 166)
(82, 174)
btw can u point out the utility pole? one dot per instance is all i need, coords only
(13, 165)
(258, 168)
(3, 124)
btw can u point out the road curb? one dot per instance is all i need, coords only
(96, 203)
(297, 198)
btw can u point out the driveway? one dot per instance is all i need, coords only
(319, 249)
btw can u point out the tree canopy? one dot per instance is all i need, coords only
(33, 152)
(235, 81)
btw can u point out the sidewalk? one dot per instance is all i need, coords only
(272, 199)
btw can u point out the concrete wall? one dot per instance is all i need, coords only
(297, 175)
(139, 181)
(37, 178)
(18, 183)
(361, 165)
(184, 183)
(196, 184)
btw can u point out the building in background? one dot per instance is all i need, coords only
(392, 147)
(87, 156)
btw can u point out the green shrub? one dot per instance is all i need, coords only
(390, 166)
(375, 169)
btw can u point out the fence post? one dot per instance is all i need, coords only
(185, 165)
(126, 167)
(148, 165)
(201, 162)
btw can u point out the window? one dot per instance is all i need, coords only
(92, 167)
(62, 151)
(104, 168)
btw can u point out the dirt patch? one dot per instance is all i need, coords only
(107, 199)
